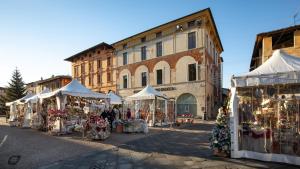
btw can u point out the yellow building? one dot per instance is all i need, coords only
(95, 68)
(286, 39)
(52, 83)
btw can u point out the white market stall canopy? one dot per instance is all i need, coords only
(114, 99)
(147, 93)
(21, 100)
(74, 88)
(281, 68)
(34, 98)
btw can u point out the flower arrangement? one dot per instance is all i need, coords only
(58, 113)
(55, 115)
(97, 127)
(220, 138)
(185, 115)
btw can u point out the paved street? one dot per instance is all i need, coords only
(185, 147)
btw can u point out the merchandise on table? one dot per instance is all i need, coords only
(135, 126)
(97, 128)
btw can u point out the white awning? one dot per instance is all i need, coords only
(21, 100)
(147, 93)
(34, 98)
(74, 88)
(281, 68)
(114, 99)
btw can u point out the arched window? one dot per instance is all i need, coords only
(186, 105)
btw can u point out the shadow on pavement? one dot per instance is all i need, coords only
(158, 149)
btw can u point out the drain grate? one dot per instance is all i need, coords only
(14, 159)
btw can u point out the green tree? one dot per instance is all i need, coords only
(16, 87)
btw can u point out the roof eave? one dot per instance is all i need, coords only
(70, 59)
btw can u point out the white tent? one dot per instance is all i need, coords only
(281, 68)
(29, 109)
(74, 88)
(114, 99)
(34, 98)
(147, 93)
(13, 106)
(20, 101)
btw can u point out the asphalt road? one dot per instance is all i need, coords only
(176, 148)
(36, 149)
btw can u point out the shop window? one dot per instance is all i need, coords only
(186, 105)
(158, 49)
(143, 53)
(191, 40)
(125, 58)
(159, 79)
(192, 72)
(125, 81)
(144, 78)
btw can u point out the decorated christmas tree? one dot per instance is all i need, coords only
(220, 138)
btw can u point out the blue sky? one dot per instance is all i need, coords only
(36, 35)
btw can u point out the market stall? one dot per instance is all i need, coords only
(115, 99)
(17, 111)
(33, 117)
(265, 111)
(76, 107)
(150, 105)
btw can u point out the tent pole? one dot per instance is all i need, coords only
(154, 112)
(122, 117)
(166, 111)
